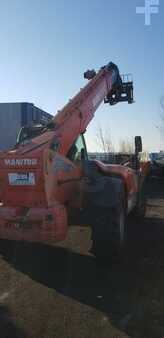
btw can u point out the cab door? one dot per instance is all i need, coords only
(77, 154)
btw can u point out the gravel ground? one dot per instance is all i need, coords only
(60, 291)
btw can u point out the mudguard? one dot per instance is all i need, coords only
(103, 191)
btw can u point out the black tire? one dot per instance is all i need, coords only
(109, 232)
(7, 247)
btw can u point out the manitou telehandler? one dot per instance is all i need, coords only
(48, 174)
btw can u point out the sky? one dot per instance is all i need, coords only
(47, 45)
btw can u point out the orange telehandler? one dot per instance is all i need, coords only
(48, 173)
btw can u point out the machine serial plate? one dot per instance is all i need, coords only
(21, 178)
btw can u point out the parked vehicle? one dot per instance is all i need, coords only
(45, 177)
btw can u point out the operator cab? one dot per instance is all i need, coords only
(26, 133)
(78, 151)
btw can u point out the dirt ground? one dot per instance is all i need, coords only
(60, 291)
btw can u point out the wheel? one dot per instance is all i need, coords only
(7, 247)
(109, 232)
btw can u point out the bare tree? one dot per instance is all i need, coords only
(103, 140)
(126, 146)
(161, 127)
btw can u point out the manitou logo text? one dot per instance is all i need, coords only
(20, 162)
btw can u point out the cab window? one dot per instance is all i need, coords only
(78, 150)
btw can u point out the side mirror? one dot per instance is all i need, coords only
(138, 144)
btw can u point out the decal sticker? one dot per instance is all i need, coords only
(20, 162)
(21, 178)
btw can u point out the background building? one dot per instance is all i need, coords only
(15, 115)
